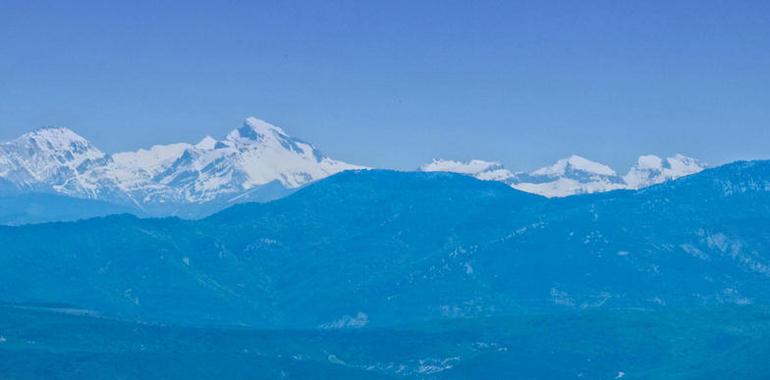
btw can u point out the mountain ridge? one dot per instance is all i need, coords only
(380, 248)
(258, 162)
(575, 174)
(164, 178)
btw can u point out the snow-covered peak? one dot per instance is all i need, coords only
(254, 129)
(53, 137)
(266, 153)
(574, 163)
(681, 165)
(570, 176)
(464, 167)
(256, 154)
(484, 170)
(57, 141)
(43, 154)
(262, 126)
(651, 169)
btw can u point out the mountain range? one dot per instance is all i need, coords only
(382, 247)
(256, 162)
(575, 174)
(387, 274)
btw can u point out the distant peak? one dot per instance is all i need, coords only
(57, 139)
(255, 129)
(680, 165)
(484, 170)
(45, 154)
(685, 160)
(261, 125)
(50, 128)
(576, 163)
(651, 169)
(465, 167)
(678, 161)
(55, 132)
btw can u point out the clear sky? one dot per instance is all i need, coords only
(396, 83)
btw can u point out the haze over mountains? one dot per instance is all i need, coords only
(256, 162)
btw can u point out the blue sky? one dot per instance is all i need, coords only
(396, 83)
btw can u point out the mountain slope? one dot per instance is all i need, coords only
(375, 248)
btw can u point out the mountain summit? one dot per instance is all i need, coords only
(651, 170)
(484, 170)
(44, 157)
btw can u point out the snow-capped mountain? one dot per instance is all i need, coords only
(650, 170)
(256, 155)
(569, 176)
(575, 174)
(259, 161)
(484, 170)
(45, 157)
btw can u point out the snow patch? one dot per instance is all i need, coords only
(483, 170)
(346, 322)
